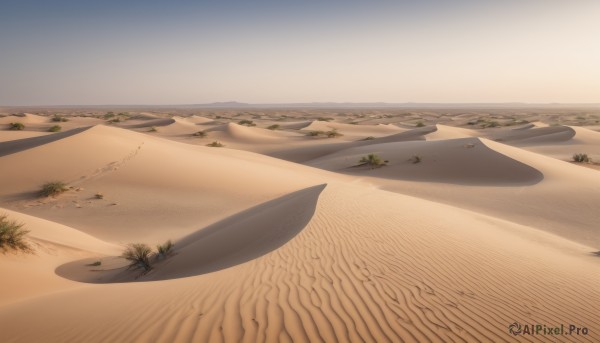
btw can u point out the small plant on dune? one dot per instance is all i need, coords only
(246, 122)
(200, 134)
(333, 134)
(315, 133)
(95, 264)
(215, 144)
(324, 119)
(55, 128)
(115, 120)
(581, 158)
(490, 124)
(274, 127)
(153, 129)
(16, 126)
(99, 196)
(415, 159)
(109, 115)
(164, 250)
(138, 255)
(372, 160)
(12, 235)
(53, 188)
(59, 119)
(420, 124)
(370, 138)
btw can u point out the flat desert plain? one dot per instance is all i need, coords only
(301, 224)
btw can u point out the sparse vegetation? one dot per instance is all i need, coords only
(164, 250)
(215, 144)
(17, 126)
(246, 122)
(492, 123)
(415, 159)
(333, 134)
(274, 127)
(581, 158)
(420, 124)
(153, 129)
(138, 255)
(99, 196)
(59, 119)
(372, 160)
(370, 138)
(55, 128)
(324, 119)
(315, 133)
(12, 235)
(53, 188)
(109, 115)
(95, 264)
(200, 134)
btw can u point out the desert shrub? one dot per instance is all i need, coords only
(324, 119)
(490, 124)
(415, 159)
(315, 133)
(274, 127)
(55, 128)
(215, 144)
(333, 134)
(200, 134)
(109, 115)
(12, 235)
(138, 255)
(59, 119)
(16, 126)
(53, 188)
(95, 264)
(165, 249)
(246, 122)
(153, 129)
(372, 160)
(370, 138)
(115, 120)
(99, 196)
(420, 124)
(581, 158)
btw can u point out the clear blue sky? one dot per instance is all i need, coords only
(178, 52)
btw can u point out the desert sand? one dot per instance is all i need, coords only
(281, 235)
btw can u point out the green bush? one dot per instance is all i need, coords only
(58, 118)
(324, 119)
(138, 255)
(581, 158)
(315, 133)
(215, 144)
(53, 188)
(16, 126)
(165, 249)
(12, 235)
(246, 122)
(372, 160)
(274, 127)
(333, 134)
(420, 124)
(55, 128)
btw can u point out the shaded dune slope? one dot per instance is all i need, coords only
(234, 240)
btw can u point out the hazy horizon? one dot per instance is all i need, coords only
(267, 52)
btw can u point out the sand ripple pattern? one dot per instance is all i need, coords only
(371, 266)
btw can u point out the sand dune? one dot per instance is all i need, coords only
(462, 161)
(413, 275)
(477, 235)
